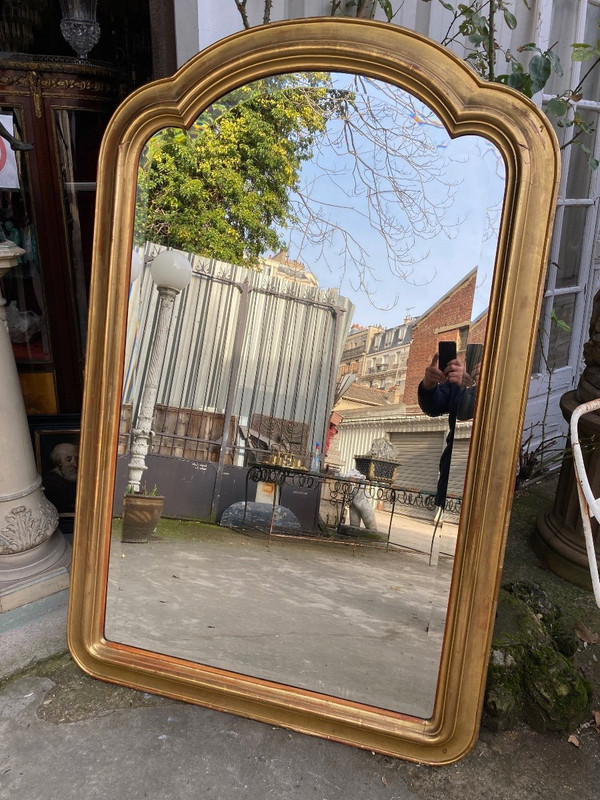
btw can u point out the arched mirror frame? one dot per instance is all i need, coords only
(467, 106)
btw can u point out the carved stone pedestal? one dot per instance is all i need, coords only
(560, 541)
(36, 573)
(34, 556)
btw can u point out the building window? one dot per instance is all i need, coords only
(566, 304)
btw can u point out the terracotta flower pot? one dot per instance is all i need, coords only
(141, 515)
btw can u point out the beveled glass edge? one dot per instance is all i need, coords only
(466, 105)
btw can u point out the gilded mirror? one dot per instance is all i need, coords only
(379, 643)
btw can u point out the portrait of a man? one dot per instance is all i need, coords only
(58, 460)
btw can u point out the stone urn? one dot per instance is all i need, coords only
(380, 463)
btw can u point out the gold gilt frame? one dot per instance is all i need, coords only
(467, 105)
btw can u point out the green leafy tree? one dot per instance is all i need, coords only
(223, 188)
(232, 186)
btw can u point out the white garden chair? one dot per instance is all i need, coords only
(590, 505)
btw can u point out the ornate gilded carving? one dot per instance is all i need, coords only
(35, 87)
(55, 80)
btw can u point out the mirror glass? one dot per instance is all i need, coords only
(306, 203)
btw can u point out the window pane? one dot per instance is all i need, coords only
(571, 241)
(560, 331)
(562, 33)
(591, 85)
(578, 181)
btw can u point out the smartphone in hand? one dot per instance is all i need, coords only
(474, 354)
(446, 353)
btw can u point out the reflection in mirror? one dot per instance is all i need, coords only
(302, 526)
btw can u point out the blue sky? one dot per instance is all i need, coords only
(468, 168)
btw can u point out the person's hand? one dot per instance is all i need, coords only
(454, 372)
(472, 379)
(433, 375)
(475, 374)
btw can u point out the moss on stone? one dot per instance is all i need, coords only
(556, 697)
(529, 678)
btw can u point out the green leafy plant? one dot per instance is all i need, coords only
(476, 22)
(564, 106)
(143, 490)
(474, 25)
(533, 77)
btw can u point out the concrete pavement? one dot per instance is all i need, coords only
(172, 750)
(64, 735)
(361, 623)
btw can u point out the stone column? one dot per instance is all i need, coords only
(34, 555)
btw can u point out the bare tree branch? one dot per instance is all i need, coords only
(267, 12)
(375, 165)
(241, 7)
(387, 168)
(365, 9)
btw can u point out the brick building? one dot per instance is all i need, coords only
(478, 328)
(447, 320)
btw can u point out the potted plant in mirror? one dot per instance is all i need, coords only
(141, 514)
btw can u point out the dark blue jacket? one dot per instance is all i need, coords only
(456, 401)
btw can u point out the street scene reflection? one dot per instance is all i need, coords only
(307, 314)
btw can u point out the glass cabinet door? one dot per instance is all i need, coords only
(22, 286)
(47, 200)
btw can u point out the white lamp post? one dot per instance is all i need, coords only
(171, 272)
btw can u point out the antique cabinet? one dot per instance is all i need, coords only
(61, 106)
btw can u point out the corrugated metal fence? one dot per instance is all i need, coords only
(249, 368)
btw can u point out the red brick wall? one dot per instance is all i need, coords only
(478, 330)
(440, 324)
